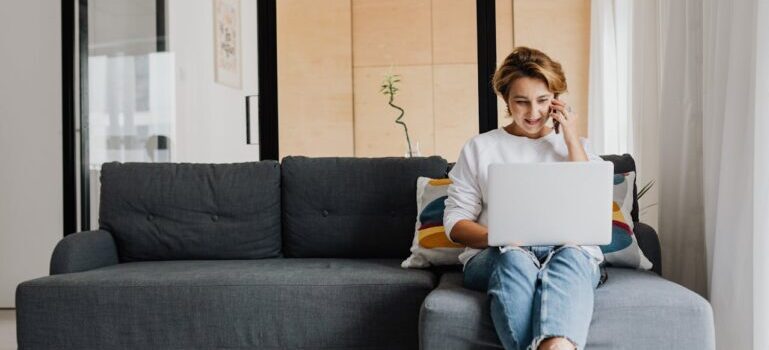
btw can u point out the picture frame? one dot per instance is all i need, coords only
(227, 47)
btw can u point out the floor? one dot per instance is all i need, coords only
(7, 329)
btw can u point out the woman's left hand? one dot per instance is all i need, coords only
(564, 115)
(568, 119)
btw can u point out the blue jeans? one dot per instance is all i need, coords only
(536, 292)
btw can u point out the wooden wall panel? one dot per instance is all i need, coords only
(456, 107)
(454, 32)
(315, 77)
(455, 75)
(391, 32)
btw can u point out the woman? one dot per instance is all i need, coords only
(541, 296)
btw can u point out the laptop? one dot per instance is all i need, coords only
(550, 203)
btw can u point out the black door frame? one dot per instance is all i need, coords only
(85, 173)
(487, 63)
(268, 91)
(69, 181)
(267, 48)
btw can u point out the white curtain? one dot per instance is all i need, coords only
(735, 168)
(623, 66)
(699, 102)
(608, 103)
(644, 100)
(681, 217)
(760, 183)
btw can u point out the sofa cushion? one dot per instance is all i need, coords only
(192, 211)
(243, 304)
(351, 207)
(633, 310)
(624, 164)
(624, 251)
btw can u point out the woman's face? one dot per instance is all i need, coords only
(529, 104)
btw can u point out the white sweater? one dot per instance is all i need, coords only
(468, 193)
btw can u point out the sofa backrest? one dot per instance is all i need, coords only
(352, 207)
(192, 211)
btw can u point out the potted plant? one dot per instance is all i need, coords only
(390, 89)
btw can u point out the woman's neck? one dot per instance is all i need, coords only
(513, 129)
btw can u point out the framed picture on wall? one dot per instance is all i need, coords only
(227, 48)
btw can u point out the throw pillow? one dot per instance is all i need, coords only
(430, 245)
(623, 251)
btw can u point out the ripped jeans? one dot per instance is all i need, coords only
(536, 292)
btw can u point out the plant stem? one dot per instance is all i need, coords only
(398, 120)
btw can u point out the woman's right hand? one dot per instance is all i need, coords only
(471, 234)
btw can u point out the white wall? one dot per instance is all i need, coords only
(30, 141)
(210, 117)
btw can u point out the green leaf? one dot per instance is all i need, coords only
(645, 189)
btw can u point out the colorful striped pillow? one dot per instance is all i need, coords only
(430, 245)
(623, 251)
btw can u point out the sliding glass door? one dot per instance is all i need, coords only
(163, 81)
(126, 91)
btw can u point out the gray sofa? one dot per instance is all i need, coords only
(303, 254)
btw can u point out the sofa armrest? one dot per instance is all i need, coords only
(649, 244)
(84, 251)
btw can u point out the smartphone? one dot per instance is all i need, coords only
(556, 124)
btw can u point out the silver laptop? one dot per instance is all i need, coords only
(550, 203)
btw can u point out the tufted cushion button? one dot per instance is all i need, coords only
(325, 213)
(214, 218)
(150, 217)
(392, 213)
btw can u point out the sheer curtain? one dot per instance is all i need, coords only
(699, 102)
(610, 57)
(760, 183)
(644, 100)
(736, 168)
(681, 216)
(623, 66)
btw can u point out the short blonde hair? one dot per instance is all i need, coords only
(532, 63)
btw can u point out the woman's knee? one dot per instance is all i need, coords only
(573, 253)
(518, 259)
(575, 257)
(478, 269)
